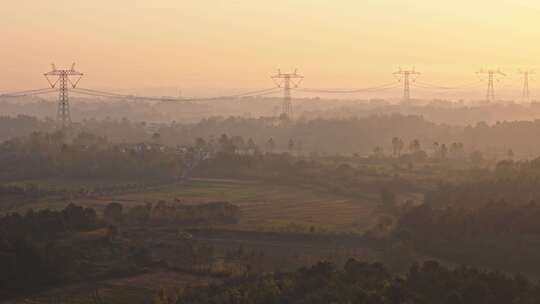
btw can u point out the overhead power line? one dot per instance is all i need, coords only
(382, 87)
(27, 93)
(98, 93)
(65, 81)
(424, 85)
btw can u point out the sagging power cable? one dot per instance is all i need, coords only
(382, 87)
(165, 98)
(424, 85)
(27, 93)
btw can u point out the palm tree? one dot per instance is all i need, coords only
(444, 151)
(395, 144)
(414, 146)
(251, 146)
(156, 137)
(291, 145)
(270, 145)
(378, 152)
(510, 154)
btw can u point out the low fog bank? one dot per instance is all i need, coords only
(365, 136)
(437, 111)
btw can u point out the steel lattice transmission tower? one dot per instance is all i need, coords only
(63, 81)
(492, 74)
(526, 93)
(406, 75)
(287, 81)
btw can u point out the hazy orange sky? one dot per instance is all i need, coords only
(240, 43)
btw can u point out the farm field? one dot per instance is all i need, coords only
(263, 205)
(70, 184)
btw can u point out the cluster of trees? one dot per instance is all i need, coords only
(515, 182)
(86, 156)
(238, 145)
(498, 235)
(32, 191)
(42, 248)
(487, 218)
(174, 213)
(495, 219)
(209, 213)
(360, 135)
(361, 282)
(455, 150)
(22, 125)
(437, 110)
(333, 176)
(227, 144)
(356, 135)
(12, 195)
(30, 256)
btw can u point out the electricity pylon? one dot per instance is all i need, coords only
(525, 95)
(285, 80)
(492, 74)
(63, 115)
(405, 75)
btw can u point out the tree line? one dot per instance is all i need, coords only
(362, 282)
(30, 258)
(327, 136)
(87, 156)
(173, 213)
(40, 249)
(516, 182)
(498, 235)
